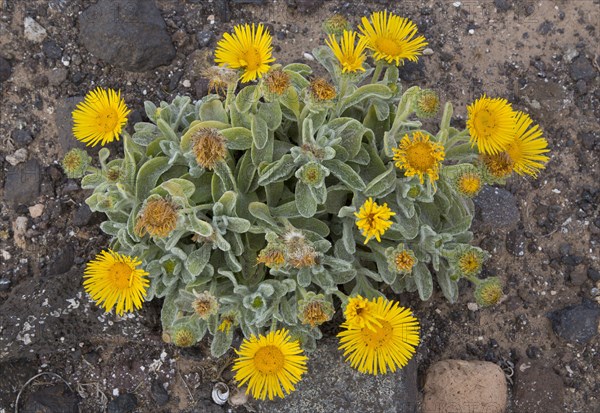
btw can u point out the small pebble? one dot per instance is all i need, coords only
(427, 52)
(36, 211)
(472, 306)
(186, 83)
(308, 56)
(16, 158)
(471, 31)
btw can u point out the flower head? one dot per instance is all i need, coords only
(400, 260)
(268, 363)
(205, 304)
(75, 162)
(209, 147)
(488, 291)
(272, 256)
(321, 90)
(184, 337)
(373, 219)
(277, 81)
(312, 174)
(499, 165)
(427, 103)
(350, 55)
(468, 182)
(158, 217)
(491, 123)
(113, 279)
(220, 78)
(100, 117)
(360, 312)
(388, 345)
(299, 252)
(392, 38)
(314, 309)
(419, 156)
(527, 148)
(470, 261)
(248, 48)
(336, 25)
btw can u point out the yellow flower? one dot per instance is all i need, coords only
(227, 322)
(314, 309)
(527, 147)
(360, 312)
(184, 337)
(158, 218)
(209, 147)
(268, 363)
(427, 103)
(100, 117)
(392, 38)
(373, 220)
(249, 48)
(321, 90)
(419, 156)
(468, 182)
(389, 345)
(470, 262)
(400, 260)
(113, 279)
(491, 123)
(350, 55)
(488, 291)
(272, 256)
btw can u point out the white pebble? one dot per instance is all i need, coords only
(427, 52)
(308, 56)
(471, 31)
(36, 211)
(16, 158)
(472, 306)
(33, 31)
(456, 4)
(187, 83)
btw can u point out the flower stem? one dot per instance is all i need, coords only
(377, 71)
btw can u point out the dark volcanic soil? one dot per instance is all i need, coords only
(540, 55)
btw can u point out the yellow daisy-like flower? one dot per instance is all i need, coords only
(527, 147)
(249, 49)
(360, 313)
(268, 363)
(470, 262)
(392, 38)
(419, 156)
(389, 345)
(373, 219)
(491, 124)
(100, 117)
(469, 182)
(113, 279)
(350, 55)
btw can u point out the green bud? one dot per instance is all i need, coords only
(75, 163)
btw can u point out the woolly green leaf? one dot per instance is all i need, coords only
(238, 138)
(261, 212)
(239, 225)
(246, 173)
(423, 280)
(366, 92)
(345, 174)
(300, 68)
(287, 210)
(111, 228)
(92, 180)
(382, 184)
(304, 277)
(271, 113)
(350, 131)
(266, 153)
(221, 342)
(287, 311)
(197, 260)
(213, 110)
(277, 171)
(246, 98)
(448, 286)
(305, 202)
(148, 175)
(167, 131)
(291, 101)
(177, 187)
(311, 224)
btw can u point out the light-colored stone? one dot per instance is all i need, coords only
(19, 228)
(33, 31)
(36, 211)
(464, 386)
(428, 52)
(18, 157)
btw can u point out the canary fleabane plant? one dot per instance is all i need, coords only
(255, 207)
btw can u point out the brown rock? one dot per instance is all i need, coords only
(464, 386)
(538, 389)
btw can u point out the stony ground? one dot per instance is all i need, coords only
(543, 235)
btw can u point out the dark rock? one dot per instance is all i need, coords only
(51, 49)
(533, 352)
(130, 34)
(4, 284)
(82, 216)
(502, 5)
(174, 81)
(201, 87)
(545, 27)
(411, 71)
(581, 87)
(578, 275)
(446, 57)
(576, 323)
(62, 260)
(204, 38)
(159, 394)
(21, 137)
(125, 403)
(305, 6)
(538, 389)
(5, 69)
(496, 210)
(222, 10)
(22, 184)
(588, 139)
(581, 68)
(515, 243)
(594, 274)
(347, 389)
(248, 1)
(55, 399)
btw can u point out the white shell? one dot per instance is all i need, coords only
(220, 393)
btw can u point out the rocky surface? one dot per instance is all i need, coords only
(539, 55)
(462, 386)
(331, 385)
(538, 389)
(577, 323)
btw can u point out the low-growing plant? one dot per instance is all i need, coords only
(256, 206)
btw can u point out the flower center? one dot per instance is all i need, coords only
(121, 274)
(251, 59)
(485, 123)
(419, 156)
(470, 184)
(378, 336)
(388, 46)
(469, 263)
(106, 120)
(404, 261)
(269, 360)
